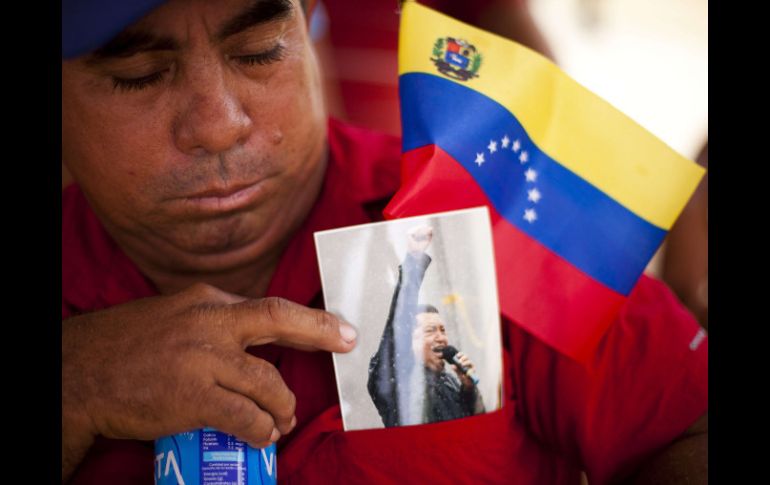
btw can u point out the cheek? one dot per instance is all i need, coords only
(107, 138)
(290, 106)
(111, 156)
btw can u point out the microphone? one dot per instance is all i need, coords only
(449, 354)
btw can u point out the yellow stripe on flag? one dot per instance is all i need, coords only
(568, 122)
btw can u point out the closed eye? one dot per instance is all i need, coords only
(273, 55)
(139, 83)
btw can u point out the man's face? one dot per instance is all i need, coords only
(429, 339)
(198, 134)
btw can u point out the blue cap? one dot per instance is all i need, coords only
(87, 25)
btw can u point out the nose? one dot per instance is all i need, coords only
(212, 119)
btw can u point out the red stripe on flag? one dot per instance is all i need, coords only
(542, 292)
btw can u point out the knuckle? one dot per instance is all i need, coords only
(202, 290)
(196, 399)
(189, 348)
(262, 374)
(276, 308)
(266, 380)
(260, 432)
(239, 412)
(258, 428)
(287, 407)
(201, 320)
(326, 323)
(291, 405)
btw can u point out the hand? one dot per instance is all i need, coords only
(465, 362)
(419, 239)
(169, 364)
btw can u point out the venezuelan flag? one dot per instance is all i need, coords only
(580, 196)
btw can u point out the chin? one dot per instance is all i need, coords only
(218, 235)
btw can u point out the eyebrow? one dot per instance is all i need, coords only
(260, 12)
(133, 41)
(130, 42)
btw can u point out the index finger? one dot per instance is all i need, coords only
(277, 320)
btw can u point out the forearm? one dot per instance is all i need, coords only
(396, 336)
(381, 383)
(75, 443)
(78, 432)
(387, 378)
(406, 297)
(684, 461)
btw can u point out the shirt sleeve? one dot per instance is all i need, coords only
(391, 366)
(646, 384)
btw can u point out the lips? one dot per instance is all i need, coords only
(439, 350)
(227, 199)
(220, 193)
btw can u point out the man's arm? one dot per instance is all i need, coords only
(77, 434)
(384, 378)
(164, 365)
(684, 461)
(387, 379)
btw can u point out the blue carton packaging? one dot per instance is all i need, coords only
(209, 457)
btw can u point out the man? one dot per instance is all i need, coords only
(407, 381)
(203, 164)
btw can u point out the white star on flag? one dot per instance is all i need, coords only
(524, 157)
(492, 146)
(530, 175)
(505, 141)
(530, 215)
(533, 195)
(479, 159)
(516, 146)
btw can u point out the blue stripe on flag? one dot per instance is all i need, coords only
(572, 217)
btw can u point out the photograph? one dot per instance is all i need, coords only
(422, 294)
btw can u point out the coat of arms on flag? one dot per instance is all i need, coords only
(456, 58)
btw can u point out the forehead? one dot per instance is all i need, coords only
(427, 319)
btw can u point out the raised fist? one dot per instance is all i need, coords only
(419, 239)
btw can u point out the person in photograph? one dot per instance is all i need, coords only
(408, 377)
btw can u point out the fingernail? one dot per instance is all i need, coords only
(275, 435)
(347, 332)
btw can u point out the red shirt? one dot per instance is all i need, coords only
(646, 384)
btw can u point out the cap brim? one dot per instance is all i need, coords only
(89, 24)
